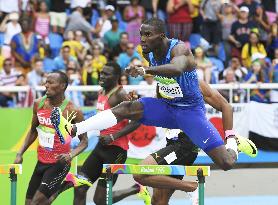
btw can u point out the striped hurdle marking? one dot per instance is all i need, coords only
(200, 171)
(13, 170)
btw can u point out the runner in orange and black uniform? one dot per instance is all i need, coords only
(54, 157)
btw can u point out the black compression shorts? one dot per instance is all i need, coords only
(110, 154)
(179, 151)
(47, 178)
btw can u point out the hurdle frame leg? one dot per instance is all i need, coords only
(109, 185)
(201, 185)
(13, 177)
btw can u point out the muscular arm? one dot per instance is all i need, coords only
(130, 127)
(217, 101)
(32, 134)
(83, 137)
(182, 60)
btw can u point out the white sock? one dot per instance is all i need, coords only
(231, 144)
(100, 121)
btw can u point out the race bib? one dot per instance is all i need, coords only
(168, 88)
(46, 137)
(172, 133)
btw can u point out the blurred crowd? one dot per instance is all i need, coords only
(234, 41)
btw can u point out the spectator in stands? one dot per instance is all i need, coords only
(42, 20)
(121, 47)
(125, 57)
(90, 74)
(274, 78)
(48, 62)
(204, 65)
(240, 31)
(104, 22)
(99, 60)
(134, 15)
(262, 23)
(135, 61)
(9, 27)
(238, 94)
(76, 21)
(112, 37)
(238, 69)
(148, 6)
(251, 47)
(159, 8)
(148, 81)
(227, 18)
(7, 7)
(79, 37)
(179, 19)
(256, 75)
(35, 77)
(251, 5)
(9, 76)
(62, 61)
(211, 28)
(74, 80)
(76, 48)
(196, 17)
(124, 80)
(58, 15)
(25, 45)
(272, 42)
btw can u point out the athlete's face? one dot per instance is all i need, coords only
(107, 77)
(53, 85)
(150, 38)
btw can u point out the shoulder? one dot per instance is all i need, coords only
(180, 49)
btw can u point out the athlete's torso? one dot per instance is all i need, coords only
(103, 104)
(49, 144)
(182, 90)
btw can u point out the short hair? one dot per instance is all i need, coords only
(63, 77)
(66, 46)
(116, 68)
(158, 24)
(123, 33)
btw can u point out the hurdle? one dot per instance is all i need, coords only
(200, 171)
(13, 170)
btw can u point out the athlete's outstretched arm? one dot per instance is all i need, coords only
(217, 101)
(130, 127)
(31, 136)
(182, 60)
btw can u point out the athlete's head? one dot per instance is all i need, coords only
(152, 34)
(109, 76)
(56, 83)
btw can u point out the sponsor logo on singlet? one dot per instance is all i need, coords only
(43, 120)
(168, 88)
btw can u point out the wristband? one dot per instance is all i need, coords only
(144, 70)
(229, 133)
(112, 137)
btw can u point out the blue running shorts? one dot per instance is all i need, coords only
(191, 120)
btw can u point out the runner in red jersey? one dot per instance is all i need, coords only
(54, 158)
(115, 150)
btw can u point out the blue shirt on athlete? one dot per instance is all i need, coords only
(189, 93)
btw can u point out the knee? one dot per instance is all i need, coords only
(139, 179)
(80, 192)
(227, 164)
(99, 199)
(122, 110)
